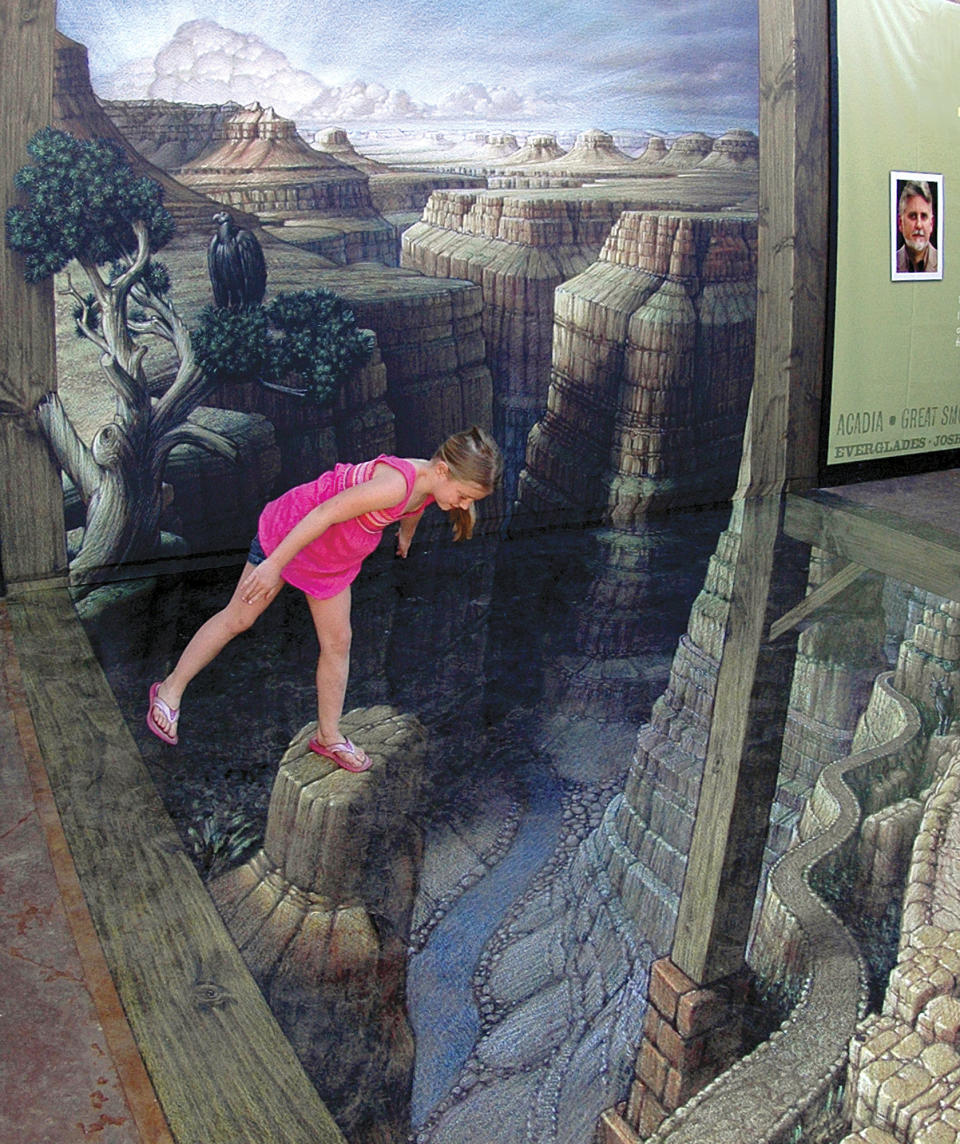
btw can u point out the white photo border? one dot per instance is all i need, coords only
(936, 185)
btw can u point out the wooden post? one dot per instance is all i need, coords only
(780, 450)
(31, 496)
(703, 976)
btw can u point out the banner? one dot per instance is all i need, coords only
(894, 378)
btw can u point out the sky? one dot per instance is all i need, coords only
(648, 65)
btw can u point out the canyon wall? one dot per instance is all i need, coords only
(263, 166)
(170, 134)
(518, 249)
(652, 365)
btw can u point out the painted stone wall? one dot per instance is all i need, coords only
(518, 249)
(651, 371)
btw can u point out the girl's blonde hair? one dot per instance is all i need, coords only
(474, 458)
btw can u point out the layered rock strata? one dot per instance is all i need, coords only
(518, 250)
(836, 664)
(904, 1077)
(322, 914)
(601, 684)
(430, 338)
(928, 666)
(655, 150)
(593, 150)
(264, 166)
(536, 149)
(77, 110)
(357, 423)
(651, 371)
(170, 134)
(499, 147)
(688, 150)
(736, 150)
(335, 141)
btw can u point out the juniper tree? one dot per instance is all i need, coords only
(86, 206)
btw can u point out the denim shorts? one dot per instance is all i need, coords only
(256, 555)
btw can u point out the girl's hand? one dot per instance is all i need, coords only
(261, 584)
(403, 545)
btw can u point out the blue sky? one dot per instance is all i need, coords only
(669, 65)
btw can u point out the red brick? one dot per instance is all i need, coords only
(667, 986)
(615, 1130)
(701, 1010)
(635, 1102)
(653, 1068)
(680, 1053)
(652, 1115)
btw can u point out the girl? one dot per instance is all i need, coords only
(315, 537)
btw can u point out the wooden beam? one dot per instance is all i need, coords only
(780, 451)
(782, 436)
(743, 751)
(817, 599)
(31, 496)
(221, 1067)
(903, 549)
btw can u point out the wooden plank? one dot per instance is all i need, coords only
(222, 1069)
(30, 491)
(818, 598)
(781, 441)
(780, 451)
(743, 751)
(907, 550)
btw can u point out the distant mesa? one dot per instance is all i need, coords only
(541, 149)
(689, 150)
(655, 152)
(537, 149)
(593, 150)
(736, 150)
(263, 165)
(335, 141)
(499, 147)
(76, 109)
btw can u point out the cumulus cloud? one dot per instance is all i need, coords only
(360, 100)
(207, 63)
(475, 101)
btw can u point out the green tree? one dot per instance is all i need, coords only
(86, 206)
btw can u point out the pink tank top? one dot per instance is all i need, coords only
(328, 564)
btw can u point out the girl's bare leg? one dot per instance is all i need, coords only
(331, 618)
(207, 643)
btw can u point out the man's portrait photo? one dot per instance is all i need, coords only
(916, 226)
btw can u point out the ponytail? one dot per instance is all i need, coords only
(474, 458)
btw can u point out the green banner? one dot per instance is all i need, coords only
(895, 381)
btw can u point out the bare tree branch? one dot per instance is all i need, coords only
(189, 433)
(74, 456)
(134, 397)
(125, 283)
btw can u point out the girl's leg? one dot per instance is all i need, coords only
(331, 618)
(207, 643)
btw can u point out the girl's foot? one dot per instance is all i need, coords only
(344, 754)
(161, 718)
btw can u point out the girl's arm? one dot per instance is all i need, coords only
(385, 489)
(408, 526)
